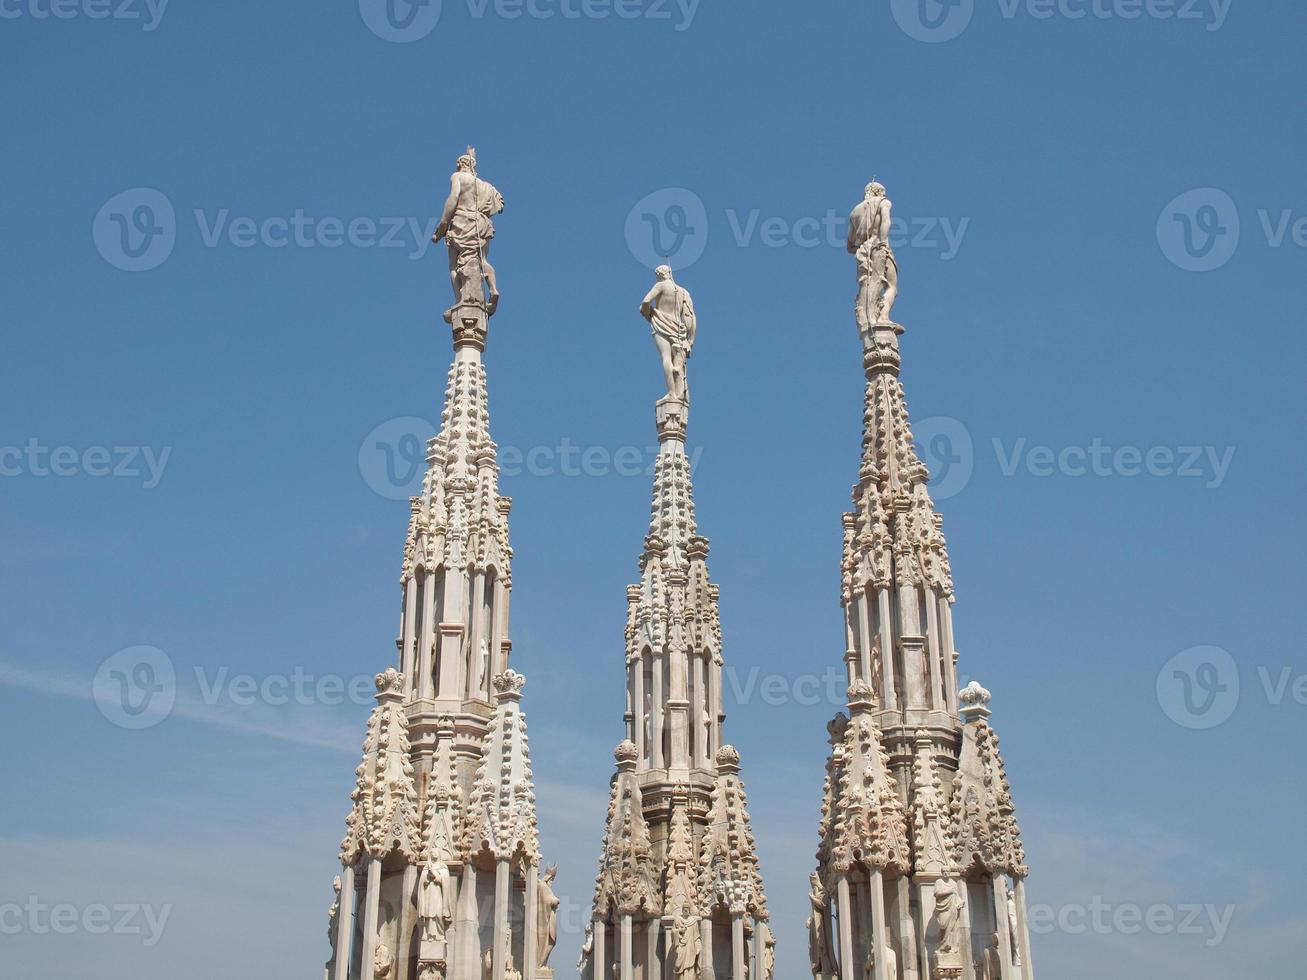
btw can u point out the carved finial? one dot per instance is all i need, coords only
(728, 759)
(626, 754)
(390, 684)
(974, 700)
(509, 684)
(861, 696)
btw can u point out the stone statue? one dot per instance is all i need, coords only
(948, 914)
(670, 312)
(467, 229)
(689, 945)
(434, 901)
(383, 963)
(878, 272)
(333, 914)
(547, 912)
(587, 948)
(1012, 929)
(488, 966)
(891, 963)
(768, 952)
(989, 968)
(511, 972)
(819, 953)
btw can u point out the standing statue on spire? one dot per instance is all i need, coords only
(466, 227)
(878, 272)
(670, 312)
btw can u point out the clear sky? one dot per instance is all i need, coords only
(213, 220)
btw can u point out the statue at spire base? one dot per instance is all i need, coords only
(466, 227)
(878, 271)
(670, 312)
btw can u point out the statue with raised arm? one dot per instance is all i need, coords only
(878, 272)
(466, 227)
(670, 312)
(547, 912)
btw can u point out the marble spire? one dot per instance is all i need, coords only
(920, 870)
(442, 854)
(679, 893)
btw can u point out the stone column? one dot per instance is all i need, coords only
(599, 956)
(637, 707)
(467, 930)
(864, 634)
(651, 971)
(738, 952)
(879, 937)
(454, 634)
(477, 631)
(404, 951)
(531, 927)
(846, 929)
(628, 948)
(698, 708)
(408, 655)
(968, 945)
(1023, 930)
(345, 924)
(1001, 926)
(716, 708)
(907, 948)
(934, 646)
(501, 918)
(656, 721)
(371, 906)
(708, 969)
(426, 637)
(499, 642)
(951, 668)
(890, 698)
(678, 705)
(925, 903)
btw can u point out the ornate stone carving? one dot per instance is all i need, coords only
(878, 272)
(467, 229)
(689, 944)
(547, 904)
(670, 312)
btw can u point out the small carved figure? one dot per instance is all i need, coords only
(488, 965)
(1012, 929)
(587, 948)
(988, 967)
(511, 972)
(383, 963)
(333, 914)
(878, 272)
(547, 911)
(768, 952)
(891, 963)
(948, 915)
(670, 312)
(467, 229)
(689, 945)
(433, 901)
(819, 952)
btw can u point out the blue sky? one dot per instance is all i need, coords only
(1104, 368)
